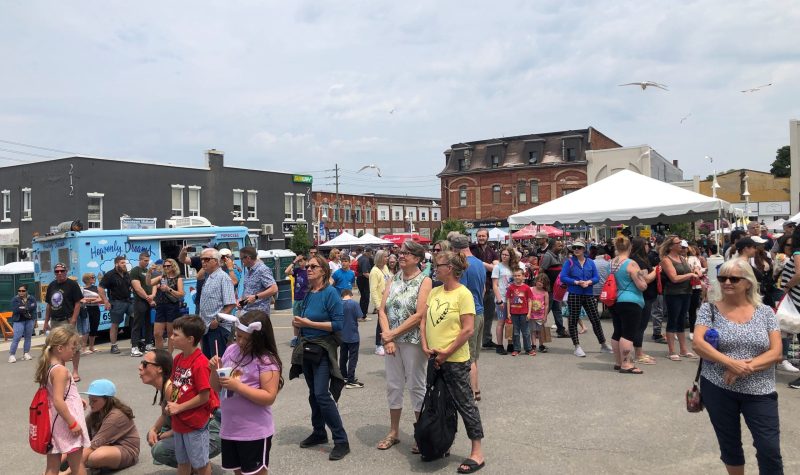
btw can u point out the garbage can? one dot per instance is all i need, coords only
(283, 301)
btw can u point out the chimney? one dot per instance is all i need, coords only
(675, 164)
(215, 159)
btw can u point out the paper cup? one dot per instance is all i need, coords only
(224, 372)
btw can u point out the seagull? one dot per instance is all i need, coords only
(378, 170)
(685, 117)
(393, 110)
(757, 88)
(644, 84)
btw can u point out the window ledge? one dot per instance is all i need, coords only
(252, 219)
(5, 221)
(26, 219)
(238, 219)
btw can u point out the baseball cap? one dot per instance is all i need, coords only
(459, 241)
(758, 239)
(101, 387)
(684, 243)
(578, 243)
(225, 252)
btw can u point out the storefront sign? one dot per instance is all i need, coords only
(308, 179)
(137, 223)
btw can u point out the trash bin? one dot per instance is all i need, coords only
(283, 301)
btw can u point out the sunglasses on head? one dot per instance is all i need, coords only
(729, 278)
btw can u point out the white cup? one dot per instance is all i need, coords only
(224, 372)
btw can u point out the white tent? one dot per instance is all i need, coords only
(343, 240)
(368, 239)
(21, 267)
(625, 196)
(497, 234)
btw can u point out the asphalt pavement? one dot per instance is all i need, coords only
(551, 413)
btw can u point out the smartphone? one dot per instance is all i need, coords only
(243, 302)
(191, 249)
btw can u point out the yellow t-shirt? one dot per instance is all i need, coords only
(443, 322)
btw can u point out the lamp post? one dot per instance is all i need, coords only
(746, 195)
(716, 259)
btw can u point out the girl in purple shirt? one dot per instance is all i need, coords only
(247, 393)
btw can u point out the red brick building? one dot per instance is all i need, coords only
(485, 181)
(375, 213)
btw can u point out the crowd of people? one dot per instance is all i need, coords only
(434, 311)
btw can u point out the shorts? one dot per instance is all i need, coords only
(476, 340)
(297, 308)
(247, 456)
(500, 311)
(120, 308)
(535, 325)
(192, 447)
(83, 323)
(59, 323)
(167, 312)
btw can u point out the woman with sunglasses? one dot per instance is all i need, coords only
(738, 369)
(23, 317)
(440, 246)
(168, 301)
(321, 320)
(154, 370)
(677, 288)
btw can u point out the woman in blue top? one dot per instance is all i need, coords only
(321, 319)
(627, 311)
(580, 274)
(23, 317)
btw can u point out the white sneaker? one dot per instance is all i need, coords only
(785, 365)
(579, 352)
(11, 359)
(606, 348)
(380, 351)
(27, 357)
(691, 336)
(554, 327)
(135, 352)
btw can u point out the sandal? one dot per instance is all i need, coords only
(617, 367)
(415, 449)
(472, 466)
(674, 357)
(477, 395)
(689, 355)
(645, 359)
(631, 370)
(388, 442)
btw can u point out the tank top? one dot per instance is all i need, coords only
(786, 276)
(671, 288)
(401, 303)
(626, 288)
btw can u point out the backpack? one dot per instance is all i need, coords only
(436, 428)
(608, 296)
(40, 430)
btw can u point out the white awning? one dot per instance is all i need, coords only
(9, 237)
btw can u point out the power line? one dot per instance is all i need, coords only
(38, 147)
(30, 154)
(16, 159)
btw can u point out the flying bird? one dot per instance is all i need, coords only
(394, 109)
(685, 117)
(645, 84)
(757, 88)
(378, 170)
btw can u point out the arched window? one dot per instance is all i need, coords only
(368, 214)
(462, 196)
(496, 194)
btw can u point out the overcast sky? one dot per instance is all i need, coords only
(299, 86)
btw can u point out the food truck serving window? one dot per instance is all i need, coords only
(232, 245)
(63, 256)
(45, 264)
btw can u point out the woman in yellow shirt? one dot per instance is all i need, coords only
(446, 329)
(378, 277)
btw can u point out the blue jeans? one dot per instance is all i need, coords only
(555, 306)
(521, 325)
(323, 407)
(23, 328)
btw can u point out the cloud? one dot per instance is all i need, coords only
(92, 265)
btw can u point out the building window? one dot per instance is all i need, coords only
(495, 161)
(238, 199)
(335, 217)
(463, 164)
(26, 204)
(411, 213)
(533, 157)
(6, 205)
(462, 196)
(194, 201)
(383, 214)
(534, 191)
(496, 194)
(347, 213)
(95, 211)
(423, 215)
(571, 154)
(368, 214)
(252, 205)
(435, 215)
(300, 203)
(566, 192)
(522, 195)
(397, 213)
(287, 207)
(177, 200)
(357, 212)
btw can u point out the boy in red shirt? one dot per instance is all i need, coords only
(519, 298)
(191, 398)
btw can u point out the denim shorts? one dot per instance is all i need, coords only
(83, 323)
(120, 308)
(192, 447)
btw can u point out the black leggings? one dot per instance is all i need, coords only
(648, 307)
(94, 319)
(589, 303)
(626, 317)
(694, 304)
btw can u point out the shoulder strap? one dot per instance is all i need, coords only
(700, 364)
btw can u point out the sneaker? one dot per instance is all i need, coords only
(500, 350)
(294, 342)
(114, 350)
(579, 352)
(28, 357)
(554, 327)
(515, 353)
(366, 319)
(606, 348)
(489, 345)
(380, 351)
(510, 347)
(135, 352)
(691, 336)
(532, 353)
(659, 339)
(149, 347)
(313, 440)
(339, 451)
(12, 359)
(542, 349)
(785, 365)
(795, 384)
(562, 335)
(355, 384)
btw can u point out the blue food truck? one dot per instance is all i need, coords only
(93, 251)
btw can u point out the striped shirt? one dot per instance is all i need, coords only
(786, 276)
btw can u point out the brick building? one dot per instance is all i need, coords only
(485, 181)
(376, 214)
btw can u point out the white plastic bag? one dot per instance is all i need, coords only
(788, 316)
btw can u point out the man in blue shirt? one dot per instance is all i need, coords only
(348, 351)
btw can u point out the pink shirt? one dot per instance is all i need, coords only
(242, 419)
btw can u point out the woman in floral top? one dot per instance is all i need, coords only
(404, 303)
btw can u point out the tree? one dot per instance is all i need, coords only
(360, 233)
(781, 167)
(684, 230)
(300, 243)
(447, 226)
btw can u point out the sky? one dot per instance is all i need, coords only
(302, 86)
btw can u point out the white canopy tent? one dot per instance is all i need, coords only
(497, 234)
(368, 239)
(343, 240)
(625, 196)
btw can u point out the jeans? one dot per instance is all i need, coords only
(348, 359)
(677, 310)
(141, 327)
(521, 325)
(488, 316)
(164, 451)
(555, 306)
(22, 329)
(725, 409)
(323, 408)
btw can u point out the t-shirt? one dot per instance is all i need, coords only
(538, 310)
(242, 419)
(118, 431)
(352, 312)
(116, 285)
(300, 283)
(190, 376)
(474, 279)
(519, 297)
(504, 276)
(365, 264)
(488, 255)
(322, 306)
(137, 273)
(62, 298)
(343, 279)
(443, 321)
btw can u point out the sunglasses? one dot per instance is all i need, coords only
(577, 248)
(167, 265)
(729, 278)
(312, 267)
(60, 271)
(22, 290)
(144, 364)
(437, 250)
(206, 259)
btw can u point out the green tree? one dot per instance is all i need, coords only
(683, 230)
(781, 167)
(300, 243)
(447, 226)
(360, 233)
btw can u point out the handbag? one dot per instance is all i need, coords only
(788, 316)
(694, 400)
